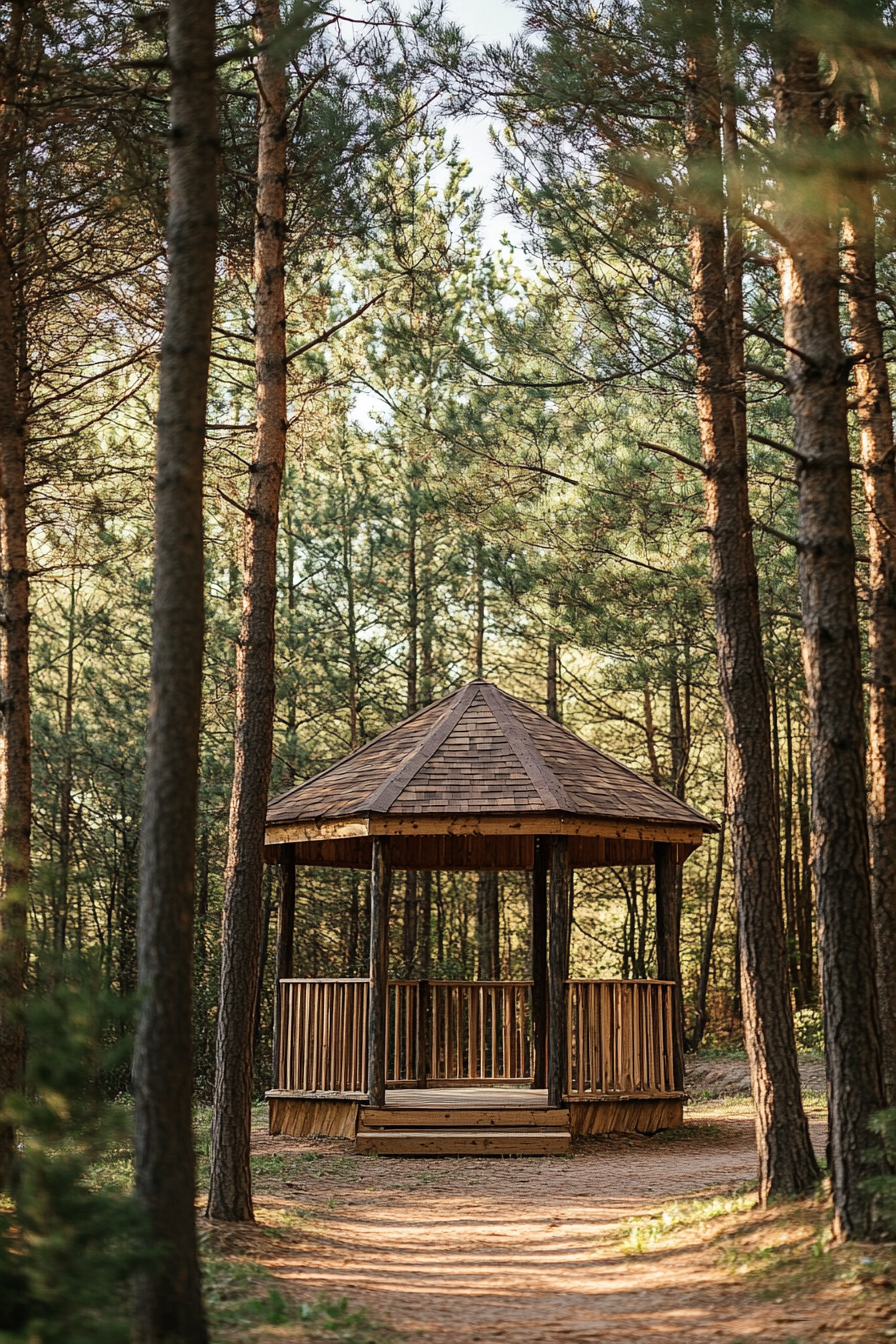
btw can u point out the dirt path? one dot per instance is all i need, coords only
(527, 1250)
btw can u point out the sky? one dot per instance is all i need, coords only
(487, 21)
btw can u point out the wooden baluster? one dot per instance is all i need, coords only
(420, 1052)
(506, 998)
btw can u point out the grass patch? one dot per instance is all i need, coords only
(642, 1234)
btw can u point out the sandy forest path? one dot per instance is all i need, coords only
(528, 1250)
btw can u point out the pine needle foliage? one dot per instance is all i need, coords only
(70, 1229)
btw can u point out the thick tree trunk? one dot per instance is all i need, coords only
(488, 954)
(169, 1299)
(786, 1161)
(15, 726)
(875, 414)
(230, 1180)
(15, 712)
(818, 371)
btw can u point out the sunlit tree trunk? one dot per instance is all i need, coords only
(875, 413)
(230, 1181)
(818, 373)
(786, 1161)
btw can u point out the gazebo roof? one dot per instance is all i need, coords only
(468, 782)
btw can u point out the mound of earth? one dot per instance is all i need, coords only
(730, 1077)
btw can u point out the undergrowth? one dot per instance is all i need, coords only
(642, 1234)
(240, 1302)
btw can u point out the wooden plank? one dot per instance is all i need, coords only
(408, 1117)
(335, 1119)
(641, 1114)
(459, 1142)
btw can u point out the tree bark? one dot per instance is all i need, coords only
(169, 1299)
(875, 414)
(818, 371)
(15, 711)
(230, 1179)
(786, 1160)
(558, 968)
(668, 955)
(409, 924)
(708, 941)
(487, 926)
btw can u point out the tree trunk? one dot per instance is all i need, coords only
(818, 371)
(875, 415)
(230, 1180)
(15, 711)
(169, 1299)
(409, 925)
(487, 926)
(552, 688)
(668, 955)
(708, 941)
(479, 578)
(786, 1160)
(424, 926)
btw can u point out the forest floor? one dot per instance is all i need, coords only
(626, 1238)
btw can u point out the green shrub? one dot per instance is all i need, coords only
(809, 1027)
(882, 1157)
(69, 1247)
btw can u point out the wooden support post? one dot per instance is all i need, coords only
(540, 960)
(422, 1035)
(558, 968)
(286, 931)
(380, 896)
(668, 954)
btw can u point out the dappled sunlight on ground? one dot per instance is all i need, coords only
(531, 1250)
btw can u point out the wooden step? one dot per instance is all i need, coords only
(535, 1141)
(480, 1117)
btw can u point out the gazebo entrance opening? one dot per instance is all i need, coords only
(479, 781)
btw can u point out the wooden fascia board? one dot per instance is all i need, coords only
(483, 825)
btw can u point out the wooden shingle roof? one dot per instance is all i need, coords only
(480, 762)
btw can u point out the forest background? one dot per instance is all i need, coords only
(495, 463)
(472, 489)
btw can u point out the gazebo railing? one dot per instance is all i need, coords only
(464, 1032)
(618, 1037)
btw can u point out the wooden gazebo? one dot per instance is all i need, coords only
(479, 781)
